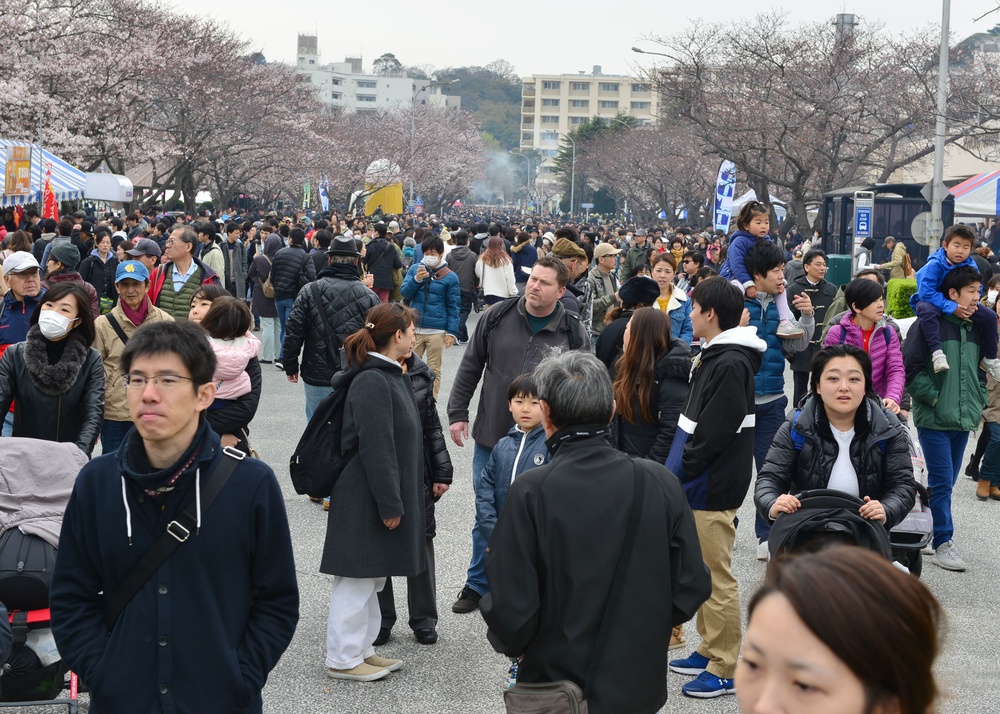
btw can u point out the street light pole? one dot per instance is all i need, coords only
(572, 179)
(527, 172)
(938, 191)
(413, 126)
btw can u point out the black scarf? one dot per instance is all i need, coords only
(134, 463)
(344, 271)
(54, 379)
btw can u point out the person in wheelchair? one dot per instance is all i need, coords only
(841, 439)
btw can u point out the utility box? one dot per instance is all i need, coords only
(839, 269)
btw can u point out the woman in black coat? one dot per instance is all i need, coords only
(842, 410)
(376, 525)
(421, 590)
(651, 385)
(55, 378)
(263, 306)
(634, 293)
(99, 270)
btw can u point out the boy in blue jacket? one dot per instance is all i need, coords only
(929, 303)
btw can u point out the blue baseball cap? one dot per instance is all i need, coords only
(131, 270)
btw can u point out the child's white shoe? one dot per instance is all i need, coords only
(788, 331)
(940, 363)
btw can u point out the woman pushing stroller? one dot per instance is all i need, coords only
(841, 439)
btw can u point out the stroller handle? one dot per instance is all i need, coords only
(828, 498)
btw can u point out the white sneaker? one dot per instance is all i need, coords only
(939, 362)
(946, 556)
(762, 553)
(788, 331)
(992, 367)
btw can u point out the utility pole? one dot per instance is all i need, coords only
(935, 224)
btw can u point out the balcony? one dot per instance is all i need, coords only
(527, 90)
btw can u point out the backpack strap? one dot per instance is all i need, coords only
(117, 328)
(798, 438)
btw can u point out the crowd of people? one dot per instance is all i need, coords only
(631, 384)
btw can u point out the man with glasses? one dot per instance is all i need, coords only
(205, 629)
(173, 284)
(821, 293)
(23, 275)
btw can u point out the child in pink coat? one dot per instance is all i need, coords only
(228, 324)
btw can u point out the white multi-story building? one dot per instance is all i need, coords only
(554, 104)
(345, 85)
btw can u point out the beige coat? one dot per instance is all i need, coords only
(110, 346)
(896, 262)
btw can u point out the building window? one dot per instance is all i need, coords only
(335, 82)
(609, 86)
(550, 136)
(548, 119)
(640, 105)
(577, 120)
(550, 102)
(366, 97)
(579, 103)
(609, 104)
(366, 85)
(335, 95)
(580, 86)
(312, 61)
(550, 152)
(551, 85)
(640, 88)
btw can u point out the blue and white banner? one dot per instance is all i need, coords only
(324, 193)
(724, 187)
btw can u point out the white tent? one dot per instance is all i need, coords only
(751, 195)
(978, 196)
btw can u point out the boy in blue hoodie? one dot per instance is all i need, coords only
(752, 224)
(929, 303)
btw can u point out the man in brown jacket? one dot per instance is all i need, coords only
(897, 263)
(112, 331)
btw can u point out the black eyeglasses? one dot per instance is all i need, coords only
(166, 381)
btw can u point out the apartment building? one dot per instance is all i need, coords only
(345, 85)
(554, 104)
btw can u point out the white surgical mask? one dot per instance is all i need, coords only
(431, 260)
(992, 296)
(53, 325)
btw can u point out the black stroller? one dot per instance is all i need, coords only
(36, 479)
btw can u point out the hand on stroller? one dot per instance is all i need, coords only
(786, 503)
(873, 510)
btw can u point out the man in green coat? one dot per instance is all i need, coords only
(947, 405)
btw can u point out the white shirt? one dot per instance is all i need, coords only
(843, 477)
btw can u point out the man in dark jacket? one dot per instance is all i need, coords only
(205, 630)
(463, 262)
(712, 455)
(336, 301)
(510, 340)
(290, 269)
(636, 256)
(555, 547)
(381, 258)
(821, 293)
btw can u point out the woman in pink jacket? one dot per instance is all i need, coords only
(864, 326)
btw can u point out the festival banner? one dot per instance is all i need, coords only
(724, 188)
(18, 171)
(50, 206)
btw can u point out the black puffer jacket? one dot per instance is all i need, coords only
(884, 476)
(381, 258)
(69, 404)
(344, 301)
(651, 440)
(437, 462)
(290, 263)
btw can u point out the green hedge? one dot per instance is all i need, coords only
(897, 302)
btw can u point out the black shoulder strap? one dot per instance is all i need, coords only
(618, 581)
(117, 328)
(178, 531)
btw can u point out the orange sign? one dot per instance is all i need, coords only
(18, 173)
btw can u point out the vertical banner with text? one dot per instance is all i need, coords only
(724, 188)
(18, 171)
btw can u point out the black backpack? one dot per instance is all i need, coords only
(317, 461)
(26, 564)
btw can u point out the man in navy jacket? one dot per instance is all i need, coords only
(202, 634)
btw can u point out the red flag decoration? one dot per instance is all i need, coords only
(50, 207)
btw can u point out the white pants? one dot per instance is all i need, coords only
(270, 337)
(355, 619)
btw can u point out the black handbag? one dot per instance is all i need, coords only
(564, 696)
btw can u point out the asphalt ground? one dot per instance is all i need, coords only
(462, 673)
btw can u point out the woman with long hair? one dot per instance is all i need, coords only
(636, 292)
(651, 384)
(672, 301)
(819, 623)
(55, 378)
(495, 271)
(376, 526)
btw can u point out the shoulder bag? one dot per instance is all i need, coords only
(564, 696)
(177, 532)
(266, 286)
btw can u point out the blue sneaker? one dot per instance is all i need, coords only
(695, 663)
(707, 685)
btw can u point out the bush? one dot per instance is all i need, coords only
(897, 301)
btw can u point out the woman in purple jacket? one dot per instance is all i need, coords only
(864, 326)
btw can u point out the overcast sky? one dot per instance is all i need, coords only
(536, 37)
